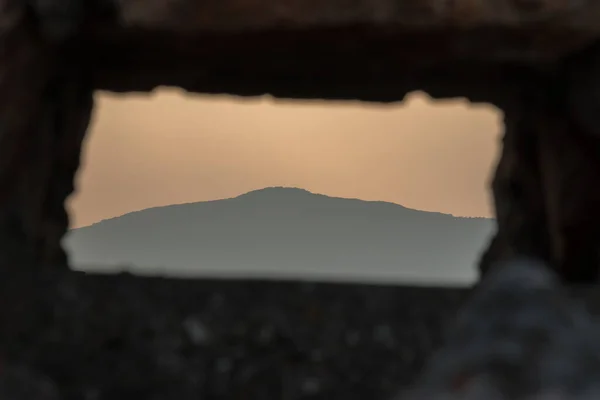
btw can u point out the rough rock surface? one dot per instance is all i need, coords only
(119, 337)
(518, 337)
(20, 383)
(45, 105)
(534, 59)
(335, 49)
(112, 337)
(545, 185)
(122, 337)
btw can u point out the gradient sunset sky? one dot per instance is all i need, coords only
(170, 147)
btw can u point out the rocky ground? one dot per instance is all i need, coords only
(123, 337)
(84, 336)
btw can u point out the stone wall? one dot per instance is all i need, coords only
(114, 337)
(535, 60)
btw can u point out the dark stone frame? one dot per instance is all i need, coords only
(540, 72)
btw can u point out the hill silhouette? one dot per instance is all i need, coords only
(286, 232)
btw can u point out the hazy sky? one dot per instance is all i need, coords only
(166, 148)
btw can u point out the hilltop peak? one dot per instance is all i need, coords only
(286, 231)
(277, 190)
(280, 196)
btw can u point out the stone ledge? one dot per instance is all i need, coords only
(236, 15)
(334, 49)
(120, 336)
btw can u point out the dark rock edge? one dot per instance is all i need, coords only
(122, 336)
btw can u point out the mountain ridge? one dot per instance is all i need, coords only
(282, 231)
(286, 188)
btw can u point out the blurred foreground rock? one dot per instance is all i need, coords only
(118, 337)
(20, 383)
(519, 337)
(122, 337)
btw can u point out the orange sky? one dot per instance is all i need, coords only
(166, 148)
